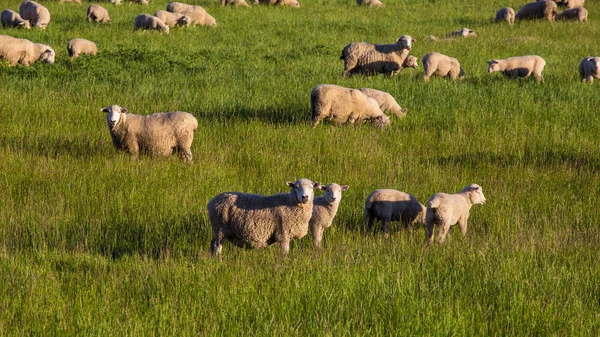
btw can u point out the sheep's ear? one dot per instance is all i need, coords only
(104, 110)
(124, 110)
(492, 62)
(345, 187)
(21, 23)
(291, 184)
(317, 185)
(322, 188)
(414, 40)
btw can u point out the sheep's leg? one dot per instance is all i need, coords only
(370, 221)
(538, 76)
(216, 245)
(429, 231)
(386, 228)
(318, 236)
(285, 246)
(185, 154)
(462, 224)
(133, 147)
(444, 228)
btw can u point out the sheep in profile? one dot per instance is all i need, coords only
(241, 3)
(370, 59)
(256, 221)
(370, 3)
(519, 66)
(288, 3)
(141, 2)
(446, 210)
(578, 13)
(77, 47)
(537, 10)
(465, 32)
(173, 19)
(97, 13)
(589, 68)
(24, 51)
(505, 14)
(12, 19)
(325, 208)
(572, 3)
(38, 15)
(156, 134)
(199, 15)
(149, 22)
(386, 102)
(341, 105)
(387, 205)
(441, 65)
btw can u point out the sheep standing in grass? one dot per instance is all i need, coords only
(97, 13)
(537, 10)
(589, 68)
(149, 22)
(367, 58)
(242, 3)
(578, 13)
(370, 3)
(386, 101)
(387, 205)
(519, 66)
(256, 221)
(441, 65)
(446, 210)
(12, 19)
(325, 208)
(199, 15)
(38, 15)
(173, 19)
(156, 134)
(288, 3)
(505, 14)
(341, 105)
(77, 47)
(24, 51)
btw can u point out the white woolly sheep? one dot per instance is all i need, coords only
(12, 19)
(572, 3)
(578, 13)
(97, 13)
(446, 210)
(387, 205)
(288, 3)
(519, 66)
(537, 10)
(441, 65)
(77, 47)
(370, 3)
(256, 221)
(149, 22)
(24, 51)
(505, 14)
(242, 3)
(38, 15)
(157, 134)
(386, 102)
(173, 19)
(325, 208)
(199, 15)
(367, 58)
(589, 68)
(141, 2)
(340, 105)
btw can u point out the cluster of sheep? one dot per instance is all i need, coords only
(545, 9)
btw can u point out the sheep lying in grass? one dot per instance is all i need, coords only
(519, 66)
(370, 3)
(12, 19)
(199, 15)
(341, 105)
(389, 205)
(367, 58)
(97, 13)
(288, 3)
(579, 14)
(77, 47)
(256, 221)
(38, 15)
(465, 32)
(156, 134)
(441, 65)
(446, 210)
(537, 10)
(149, 22)
(24, 51)
(325, 208)
(173, 19)
(505, 14)
(386, 102)
(589, 68)
(242, 3)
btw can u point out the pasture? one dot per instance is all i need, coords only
(93, 243)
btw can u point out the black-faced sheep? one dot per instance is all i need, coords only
(173, 19)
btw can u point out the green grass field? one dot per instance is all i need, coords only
(94, 243)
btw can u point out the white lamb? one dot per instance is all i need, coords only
(156, 134)
(149, 22)
(77, 47)
(367, 58)
(441, 65)
(256, 221)
(578, 13)
(386, 102)
(24, 51)
(506, 14)
(519, 66)
(389, 205)
(12, 19)
(173, 19)
(325, 208)
(38, 15)
(199, 15)
(446, 210)
(97, 13)
(589, 68)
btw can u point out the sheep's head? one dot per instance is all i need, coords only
(291, 3)
(184, 20)
(595, 61)
(461, 74)
(41, 25)
(333, 192)
(493, 66)
(144, 2)
(405, 42)
(114, 115)
(474, 193)
(116, 2)
(209, 21)
(25, 24)
(466, 32)
(302, 190)
(164, 28)
(47, 55)
(410, 62)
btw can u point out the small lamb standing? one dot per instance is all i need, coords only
(24, 51)
(173, 19)
(199, 15)
(386, 102)
(447, 210)
(589, 69)
(288, 3)
(38, 15)
(367, 58)
(370, 3)
(12, 19)
(441, 65)
(341, 105)
(257, 221)
(241, 3)
(519, 66)
(387, 205)
(505, 14)
(149, 22)
(77, 47)
(537, 10)
(325, 208)
(579, 14)
(156, 134)
(97, 13)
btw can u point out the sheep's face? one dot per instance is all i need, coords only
(405, 42)
(113, 115)
(461, 74)
(333, 192)
(291, 3)
(164, 28)
(116, 2)
(382, 122)
(210, 21)
(41, 25)
(48, 55)
(411, 62)
(184, 21)
(475, 194)
(466, 32)
(25, 24)
(302, 190)
(493, 66)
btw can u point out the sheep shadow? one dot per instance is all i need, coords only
(53, 147)
(277, 115)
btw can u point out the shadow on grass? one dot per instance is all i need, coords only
(80, 147)
(278, 115)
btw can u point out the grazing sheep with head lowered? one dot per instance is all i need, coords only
(370, 3)
(578, 13)
(199, 15)
(519, 66)
(97, 13)
(38, 15)
(288, 3)
(77, 47)
(447, 210)
(24, 51)
(505, 14)
(242, 3)
(157, 134)
(572, 3)
(149, 22)
(341, 105)
(256, 221)
(173, 19)
(325, 208)
(386, 101)
(537, 10)
(589, 68)
(389, 205)
(12, 19)
(367, 58)
(441, 65)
